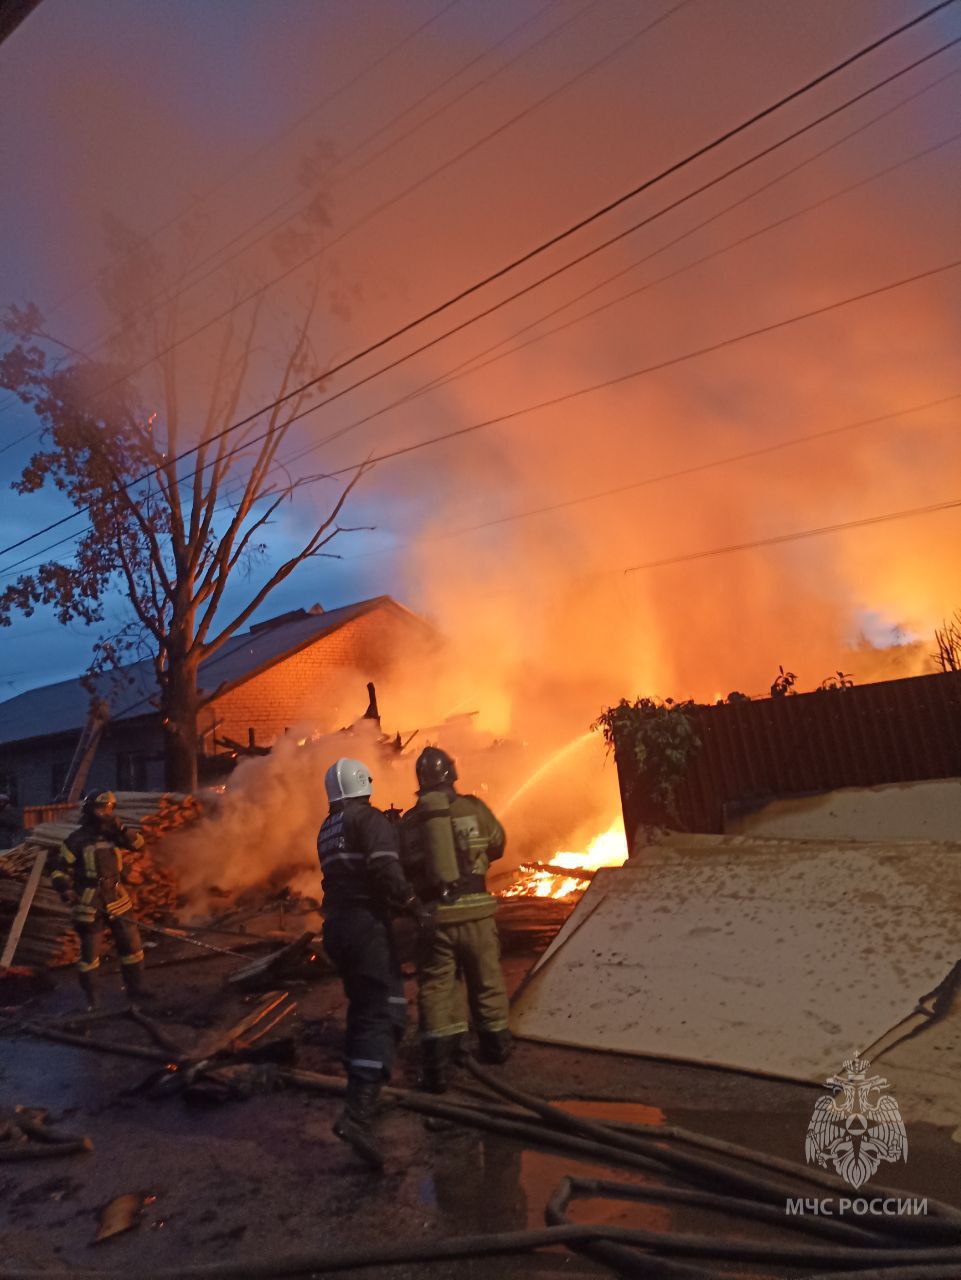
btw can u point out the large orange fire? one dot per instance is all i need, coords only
(573, 870)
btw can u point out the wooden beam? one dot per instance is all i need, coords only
(26, 902)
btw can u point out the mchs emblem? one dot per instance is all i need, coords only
(857, 1127)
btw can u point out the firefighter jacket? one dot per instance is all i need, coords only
(478, 839)
(90, 862)
(357, 848)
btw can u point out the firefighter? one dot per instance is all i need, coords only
(448, 842)
(363, 887)
(89, 875)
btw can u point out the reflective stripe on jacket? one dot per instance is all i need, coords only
(90, 862)
(357, 848)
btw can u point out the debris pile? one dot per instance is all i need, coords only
(47, 939)
(25, 1135)
(215, 1067)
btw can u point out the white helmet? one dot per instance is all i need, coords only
(346, 779)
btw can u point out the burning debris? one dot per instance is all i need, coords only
(567, 875)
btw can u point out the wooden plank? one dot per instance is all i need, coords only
(26, 901)
(225, 1039)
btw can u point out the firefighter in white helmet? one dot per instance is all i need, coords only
(363, 887)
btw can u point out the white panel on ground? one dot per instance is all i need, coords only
(771, 956)
(928, 810)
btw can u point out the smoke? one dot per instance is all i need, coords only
(494, 535)
(265, 825)
(261, 830)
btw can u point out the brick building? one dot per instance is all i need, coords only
(306, 665)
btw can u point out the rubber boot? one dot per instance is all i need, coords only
(495, 1046)
(435, 1057)
(88, 984)
(354, 1125)
(132, 975)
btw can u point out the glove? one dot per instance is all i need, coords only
(423, 917)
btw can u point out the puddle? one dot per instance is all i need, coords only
(485, 1183)
(542, 1171)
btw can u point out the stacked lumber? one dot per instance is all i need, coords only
(529, 924)
(48, 939)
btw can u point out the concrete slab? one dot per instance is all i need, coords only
(777, 957)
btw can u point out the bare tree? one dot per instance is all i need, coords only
(172, 543)
(948, 640)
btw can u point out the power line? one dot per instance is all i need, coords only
(241, 166)
(71, 537)
(20, 439)
(168, 298)
(621, 378)
(797, 536)
(515, 414)
(470, 366)
(560, 270)
(373, 212)
(377, 209)
(463, 371)
(677, 473)
(519, 261)
(756, 543)
(618, 379)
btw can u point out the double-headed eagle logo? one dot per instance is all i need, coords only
(857, 1126)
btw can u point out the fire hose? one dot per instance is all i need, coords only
(884, 1249)
(178, 936)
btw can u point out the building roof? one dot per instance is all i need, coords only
(64, 707)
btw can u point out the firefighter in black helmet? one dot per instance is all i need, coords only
(89, 875)
(449, 840)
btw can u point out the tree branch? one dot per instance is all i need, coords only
(311, 547)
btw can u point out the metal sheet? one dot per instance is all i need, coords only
(777, 957)
(889, 732)
(929, 810)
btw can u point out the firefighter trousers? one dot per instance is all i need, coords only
(126, 937)
(470, 950)
(360, 944)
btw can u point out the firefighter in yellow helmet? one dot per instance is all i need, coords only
(89, 874)
(449, 840)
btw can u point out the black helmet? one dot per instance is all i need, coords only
(435, 769)
(99, 804)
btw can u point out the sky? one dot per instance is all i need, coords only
(441, 141)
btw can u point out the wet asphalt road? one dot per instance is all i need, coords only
(265, 1178)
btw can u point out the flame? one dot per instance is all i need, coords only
(609, 849)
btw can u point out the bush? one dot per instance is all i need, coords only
(659, 739)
